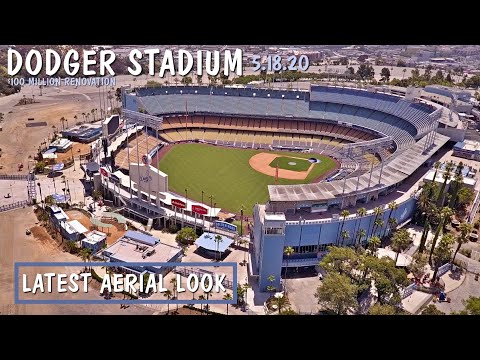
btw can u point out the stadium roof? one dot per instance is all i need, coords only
(394, 172)
(207, 241)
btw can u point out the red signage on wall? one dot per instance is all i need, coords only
(178, 203)
(199, 210)
(104, 172)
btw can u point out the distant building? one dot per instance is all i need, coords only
(94, 240)
(467, 149)
(85, 133)
(135, 246)
(61, 145)
(449, 92)
(468, 174)
(70, 230)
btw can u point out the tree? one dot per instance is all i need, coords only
(446, 177)
(345, 235)
(49, 200)
(432, 310)
(218, 240)
(400, 241)
(379, 309)
(472, 306)
(168, 294)
(70, 246)
(288, 251)
(63, 120)
(373, 243)
(199, 79)
(280, 300)
(342, 260)
(271, 280)
(417, 266)
(465, 196)
(385, 74)
(377, 211)
(337, 294)
(392, 206)
(442, 253)
(365, 72)
(186, 236)
(465, 230)
(445, 214)
(361, 212)
(186, 80)
(97, 194)
(173, 281)
(436, 167)
(227, 296)
(389, 279)
(449, 78)
(401, 63)
(361, 234)
(85, 254)
(344, 215)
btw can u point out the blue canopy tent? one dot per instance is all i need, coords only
(60, 198)
(207, 241)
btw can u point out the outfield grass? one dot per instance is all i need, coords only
(283, 163)
(226, 174)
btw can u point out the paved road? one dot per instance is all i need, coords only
(469, 288)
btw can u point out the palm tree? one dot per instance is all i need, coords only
(199, 79)
(345, 235)
(361, 212)
(218, 240)
(173, 281)
(465, 230)
(400, 241)
(76, 118)
(93, 113)
(87, 115)
(445, 214)
(201, 297)
(447, 175)
(85, 255)
(271, 280)
(62, 120)
(378, 224)
(40, 189)
(373, 243)
(344, 215)
(392, 206)
(436, 166)
(361, 234)
(457, 184)
(392, 224)
(227, 296)
(168, 294)
(289, 252)
(377, 211)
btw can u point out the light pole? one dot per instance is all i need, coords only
(211, 213)
(73, 159)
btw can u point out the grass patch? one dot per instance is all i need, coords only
(226, 174)
(283, 163)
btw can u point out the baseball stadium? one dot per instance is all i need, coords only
(291, 160)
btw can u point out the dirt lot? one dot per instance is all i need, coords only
(113, 234)
(16, 246)
(77, 148)
(17, 141)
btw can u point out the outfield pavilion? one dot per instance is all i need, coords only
(346, 123)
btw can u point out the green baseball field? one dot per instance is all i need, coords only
(226, 174)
